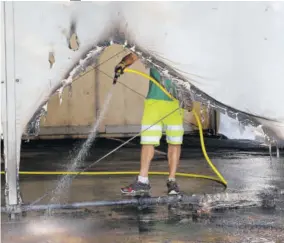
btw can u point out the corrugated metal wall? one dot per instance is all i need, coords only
(79, 109)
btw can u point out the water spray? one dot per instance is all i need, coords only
(66, 180)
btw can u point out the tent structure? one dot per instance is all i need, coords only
(228, 55)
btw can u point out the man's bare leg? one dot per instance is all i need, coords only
(147, 154)
(173, 158)
(142, 185)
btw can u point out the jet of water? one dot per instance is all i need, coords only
(65, 182)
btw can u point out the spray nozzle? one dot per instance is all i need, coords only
(116, 76)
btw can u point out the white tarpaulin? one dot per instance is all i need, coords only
(231, 51)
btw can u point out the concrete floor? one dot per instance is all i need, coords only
(245, 172)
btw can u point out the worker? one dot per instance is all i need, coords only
(159, 111)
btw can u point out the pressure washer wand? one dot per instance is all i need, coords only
(116, 76)
(115, 79)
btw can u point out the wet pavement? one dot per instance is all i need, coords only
(246, 166)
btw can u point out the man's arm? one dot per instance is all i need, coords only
(125, 62)
(129, 59)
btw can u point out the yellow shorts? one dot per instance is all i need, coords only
(155, 120)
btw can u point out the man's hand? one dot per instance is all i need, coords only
(124, 63)
(119, 69)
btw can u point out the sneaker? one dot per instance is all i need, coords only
(173, 188)
(135, 188)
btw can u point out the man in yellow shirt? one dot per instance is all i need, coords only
(157, 108)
